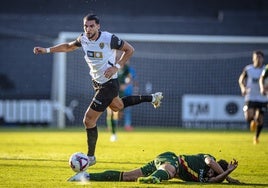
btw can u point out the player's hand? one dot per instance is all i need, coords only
(110, 72)
(233, 165)
(262, 91)
(39, 50)
(243, 91)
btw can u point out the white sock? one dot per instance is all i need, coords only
(153, 99)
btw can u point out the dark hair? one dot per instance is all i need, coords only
(258, 52)
(92, 17)
(224, 165)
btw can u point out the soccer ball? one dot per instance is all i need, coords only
(78, 162)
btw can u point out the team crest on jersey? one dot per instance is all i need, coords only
(101, 45)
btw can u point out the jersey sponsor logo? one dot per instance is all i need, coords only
(94, 55)
(255, 80)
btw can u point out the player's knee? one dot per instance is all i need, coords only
(117, 107)
(171, 170)
(88, 122)
(127, 177)
(132, 175)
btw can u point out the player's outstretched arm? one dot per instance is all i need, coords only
(232, 180)
(64, 47)
(222, 175)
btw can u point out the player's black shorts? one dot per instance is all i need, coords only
(256, 105)
(104, 95)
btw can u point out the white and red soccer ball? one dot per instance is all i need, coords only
(78, 162)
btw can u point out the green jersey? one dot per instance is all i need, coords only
(193, 167)
(188, 167)
(122, 75)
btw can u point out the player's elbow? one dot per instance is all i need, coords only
(209, 161)
(131, 50)
(215, 180)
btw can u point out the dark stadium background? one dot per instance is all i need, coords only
(29, 23)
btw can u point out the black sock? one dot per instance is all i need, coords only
(258, 131)
(133, 100)
(92, 137)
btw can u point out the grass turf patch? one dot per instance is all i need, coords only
(39, 157)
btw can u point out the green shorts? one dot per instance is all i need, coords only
(167, 157)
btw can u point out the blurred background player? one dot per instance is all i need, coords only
(112, 123)
(250, 89)
(128, 87)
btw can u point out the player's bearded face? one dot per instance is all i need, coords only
(257, 60)
(91, 29)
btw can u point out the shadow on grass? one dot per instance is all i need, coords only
(163, 183)
(215, 184)
(61, 160)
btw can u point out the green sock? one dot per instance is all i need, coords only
(109, 175)
(109, 122)
(161, 174)
(114, 126)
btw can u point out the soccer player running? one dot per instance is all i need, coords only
(100, 53)
(250, 89)
(126, 78)
(193, 168)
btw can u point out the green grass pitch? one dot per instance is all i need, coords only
(39, 157)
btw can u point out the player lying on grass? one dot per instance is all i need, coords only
(194, 168)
